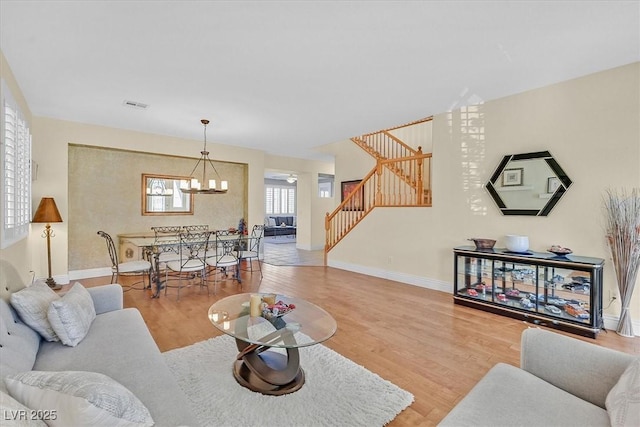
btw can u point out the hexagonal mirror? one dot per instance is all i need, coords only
(528, 184)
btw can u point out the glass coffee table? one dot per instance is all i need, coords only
(268, 360)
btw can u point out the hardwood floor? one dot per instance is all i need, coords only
(414, 337)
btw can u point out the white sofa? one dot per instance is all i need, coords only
(118, 344)
(562, 382)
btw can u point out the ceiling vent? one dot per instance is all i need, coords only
(135, 104)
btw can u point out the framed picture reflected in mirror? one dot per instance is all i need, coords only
(512, 177)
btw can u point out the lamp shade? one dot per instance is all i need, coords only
(47, 211)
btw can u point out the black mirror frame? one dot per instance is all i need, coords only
(557, 195)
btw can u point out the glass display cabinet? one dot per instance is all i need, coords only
(562, 292)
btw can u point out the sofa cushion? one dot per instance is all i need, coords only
(18, 343)
(506, 396)
(286, 220)
(15, 414)
(32, 304)
(270, 221)
(623, 401)
(71, 315)
(78, 398)
(120, 345)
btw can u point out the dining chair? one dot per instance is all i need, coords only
(252, 250)
(191, 263)
(223, 256)
(195, 228)
(168, 252)
(129, 268)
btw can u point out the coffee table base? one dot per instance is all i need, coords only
(268, 372)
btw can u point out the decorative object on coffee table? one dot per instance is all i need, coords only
(623, 237)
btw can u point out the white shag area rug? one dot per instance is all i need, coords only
(337, 391)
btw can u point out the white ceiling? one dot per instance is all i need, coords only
(285, 77)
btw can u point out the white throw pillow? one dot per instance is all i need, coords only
(71, 316)
(15, 414)
(272, 222)
(623, 401)
(32, 304)
(79, 398)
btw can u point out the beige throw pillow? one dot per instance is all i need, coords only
(32, 304)
(71, 316)
(623, 401)
(15, 414)
(79, 398)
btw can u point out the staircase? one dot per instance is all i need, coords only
(400, 178)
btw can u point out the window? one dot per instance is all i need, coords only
(15, 179)
(280, 199)
(325, 185)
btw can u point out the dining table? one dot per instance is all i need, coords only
(153, 247)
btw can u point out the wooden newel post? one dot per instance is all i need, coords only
(378, 198)
(420, 188)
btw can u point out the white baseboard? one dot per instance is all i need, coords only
(410, 279)
(60, 279)
(610, 322)
(86, 274)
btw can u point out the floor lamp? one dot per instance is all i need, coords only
(47, 213)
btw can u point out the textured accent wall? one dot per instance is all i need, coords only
(105, 194)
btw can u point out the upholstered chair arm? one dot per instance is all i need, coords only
(107, 297)
(581, 368)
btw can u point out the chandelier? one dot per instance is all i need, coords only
(193, 186)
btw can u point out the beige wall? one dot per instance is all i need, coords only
(591, 127)
(105, 194)
(19, 254)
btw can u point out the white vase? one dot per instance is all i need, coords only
(516, 243)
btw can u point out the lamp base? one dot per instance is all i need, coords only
(52, 284)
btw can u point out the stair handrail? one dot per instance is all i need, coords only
(387, 147)
(416, 122)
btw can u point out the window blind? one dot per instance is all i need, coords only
(280, 200)
(16, 171)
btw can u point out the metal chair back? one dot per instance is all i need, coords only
(111, 247)
(195, 228)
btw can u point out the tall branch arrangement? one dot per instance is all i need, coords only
(623, 237)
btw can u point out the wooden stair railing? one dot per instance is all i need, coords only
(383, 186)
(383, 145)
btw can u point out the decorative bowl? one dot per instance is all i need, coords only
(559, 250)
(515, 243)
(277, 310)
(483, 243)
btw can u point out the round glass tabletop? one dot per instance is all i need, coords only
(277, 321)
